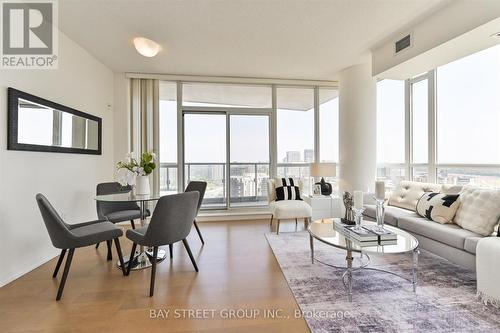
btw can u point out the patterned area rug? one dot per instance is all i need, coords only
(445, 300)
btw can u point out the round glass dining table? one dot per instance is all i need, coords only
(141, 258)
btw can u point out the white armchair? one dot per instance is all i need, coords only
(286, 209)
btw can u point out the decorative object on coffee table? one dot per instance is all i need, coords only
(324, 170)
(379, 202)
(349, 215)
(358, 209)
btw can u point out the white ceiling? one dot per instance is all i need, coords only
(293, 39)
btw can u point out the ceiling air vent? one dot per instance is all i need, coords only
(403, 43)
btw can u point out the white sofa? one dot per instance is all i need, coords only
(449, 241)
(286, 209)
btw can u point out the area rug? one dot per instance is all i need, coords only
(445, 300)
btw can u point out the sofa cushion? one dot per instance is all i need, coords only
(451, 189)
(392, 214)
(438, 207)
(471, 244)
(479, 210)
(449, 234)
(290, 209)
(407, 194)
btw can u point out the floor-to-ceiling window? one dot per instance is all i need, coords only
(468, 119)
(453, 122)
(237, 136)
(295, 132)
(168, 136)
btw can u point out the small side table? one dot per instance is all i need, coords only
(324, 206)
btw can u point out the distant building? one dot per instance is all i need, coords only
(308, 155)
(292, 156)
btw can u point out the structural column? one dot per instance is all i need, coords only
(358, 128)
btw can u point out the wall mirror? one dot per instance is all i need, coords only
(36, 124)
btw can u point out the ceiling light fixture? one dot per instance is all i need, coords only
(146, 47)
(496, 34)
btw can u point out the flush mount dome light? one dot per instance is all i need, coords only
(146, 47)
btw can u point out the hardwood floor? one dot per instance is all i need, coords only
(237, 271)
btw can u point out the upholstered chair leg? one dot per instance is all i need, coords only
(120, 256)
(153, 271)
(198, 231)
(278, 228)
(171, 250)
(131, 258)
(132, 223)
(110, 255)
(69, 258)
(97, 246)
(59, 262)
(188, 249)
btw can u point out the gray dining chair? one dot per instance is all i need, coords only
(171, 222)
(116, 212)
(71, 236)
(200, 187)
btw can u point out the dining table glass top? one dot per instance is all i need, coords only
(132, 197)
(325, 231)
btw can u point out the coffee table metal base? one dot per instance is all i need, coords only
(349, 269)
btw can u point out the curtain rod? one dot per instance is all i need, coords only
(233, 80)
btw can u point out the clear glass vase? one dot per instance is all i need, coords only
(380, 213)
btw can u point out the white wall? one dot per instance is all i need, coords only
(121, 118)
(358, 129)
(68, 180)
(452, 21)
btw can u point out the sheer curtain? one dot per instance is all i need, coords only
(144, 122)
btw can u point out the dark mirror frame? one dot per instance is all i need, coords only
(12, 140)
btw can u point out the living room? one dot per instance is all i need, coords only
(290, 165)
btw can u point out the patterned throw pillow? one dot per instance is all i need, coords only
(438, 207)
(288, 190)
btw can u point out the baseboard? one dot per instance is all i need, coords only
(28, 268)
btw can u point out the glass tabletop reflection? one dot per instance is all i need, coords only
(324, 231)
(132, 197)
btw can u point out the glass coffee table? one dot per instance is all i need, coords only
(325, 232)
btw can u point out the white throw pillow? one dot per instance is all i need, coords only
(479, 210)
(438, 207)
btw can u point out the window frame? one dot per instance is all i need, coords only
(271, 112)
(432, 165)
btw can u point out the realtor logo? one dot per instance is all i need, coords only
(29, 34)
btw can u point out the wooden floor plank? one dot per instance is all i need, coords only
(237, 271)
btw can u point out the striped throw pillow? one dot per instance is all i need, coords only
(288, 190)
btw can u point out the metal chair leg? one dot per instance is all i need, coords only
(59, 262)
(131, 258)
(188, 249)
(110, 255)
(65, 274)
(120, 256)
(198, 230)
(171, 250)
(132, 223)
(153, 271)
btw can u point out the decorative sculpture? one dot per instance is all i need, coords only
(348, 203)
